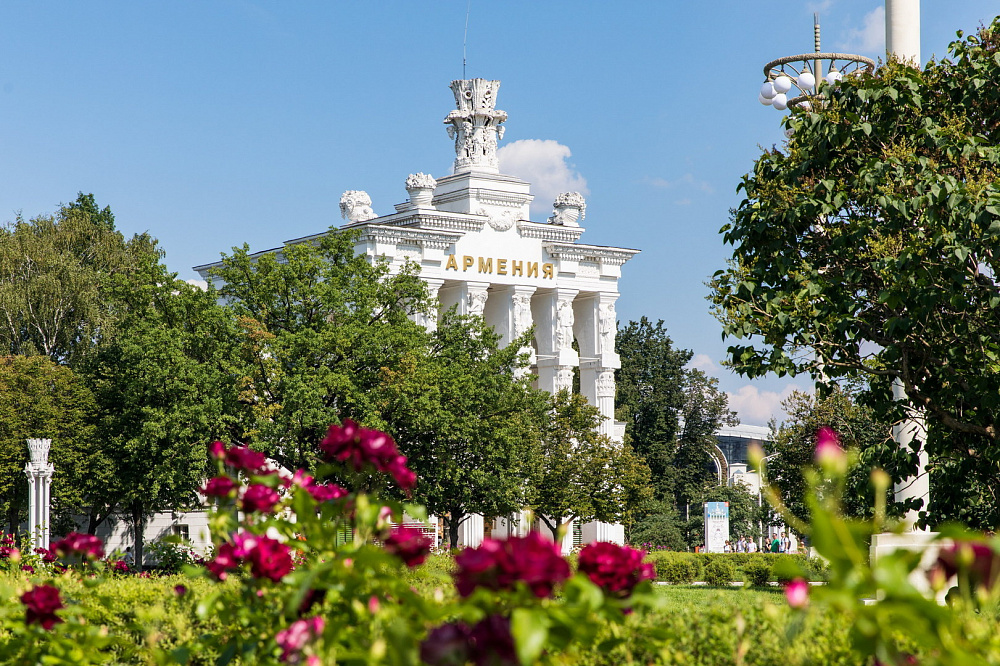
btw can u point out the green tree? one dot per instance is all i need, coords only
(650, 396)
(583, 475)
(165, 389)
(55, 271)
(860, 430)
(866, 247)
(39, 398)
(467, 418)
(319, 326)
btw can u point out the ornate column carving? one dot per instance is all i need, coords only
(429, 320)
(555, 324)
(597, 328)
(468, 298)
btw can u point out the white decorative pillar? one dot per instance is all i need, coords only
(902, 30)
(554, 324)
(596, 328)
(39, 472)
(904, 433)
(508, 311)
(469, 298)
(429, 320)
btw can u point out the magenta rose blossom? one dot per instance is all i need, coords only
(270, 559)
(616, 569)
(978, 560)
(489, 642)
(360, 447)
(219, 486)
(295, 638)
(42, 602)
(828, 450)
(260, 498)
(797, 593)
(409, 544)
(86, 546)
(47, 555)
(241, 459)
(321, 492)
(498, 565)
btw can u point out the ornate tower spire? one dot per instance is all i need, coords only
(475, 125)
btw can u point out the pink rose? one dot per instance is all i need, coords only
(219, 486)
(270, 559)
(498, 565)
(616, 569)
(295, 638)
(86, 546)
(360, 447)
(409, 544)
(829, 453)
(42, 602)
(976, 559)
(260, 498)
(797, 593)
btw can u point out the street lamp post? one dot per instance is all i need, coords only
(806, 73)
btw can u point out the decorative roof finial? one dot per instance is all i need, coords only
(476, 125)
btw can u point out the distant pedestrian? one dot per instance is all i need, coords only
(751, 546)
(728, 548)
(775, 544)
(786, 543)
(741, 545)
(129, 558)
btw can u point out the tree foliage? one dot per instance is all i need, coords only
(867, 245)
(583, 475)
(320, 324)
(860, 430)
(39, 398)
(55, 272)
(467, 419)
(165, 388)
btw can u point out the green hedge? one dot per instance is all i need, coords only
(754, 568)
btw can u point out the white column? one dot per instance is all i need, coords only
(429, 320)
(596, 328)
(469, 298)
(470, 532)
(904, 433)
(39, 472)
(552, 310)
(902, 30)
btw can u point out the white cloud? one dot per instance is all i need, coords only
(542, 162)
(687, 183)
(201, 284)
(756, 407)
(704, 363)
(821, 6)
(871, 37)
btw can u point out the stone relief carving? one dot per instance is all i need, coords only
(608, 327)
(606, 383)
(475, 124)
(356, 206)
(522, 314)
(564, 330)
(564, 378)
(477, 303)
(568, 208)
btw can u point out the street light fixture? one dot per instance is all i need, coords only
(806, 73)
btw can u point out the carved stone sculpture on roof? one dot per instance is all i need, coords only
(475, 125)
(356, 206)
(568, 208)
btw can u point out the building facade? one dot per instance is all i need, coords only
(479, 252)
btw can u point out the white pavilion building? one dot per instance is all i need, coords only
(479, 251)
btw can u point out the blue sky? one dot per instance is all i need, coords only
(211, 124)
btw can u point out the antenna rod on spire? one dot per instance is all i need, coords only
(817, 64)
(465, 37)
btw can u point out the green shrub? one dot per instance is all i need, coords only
(720, 571)
(757, 573)
(676, 568)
